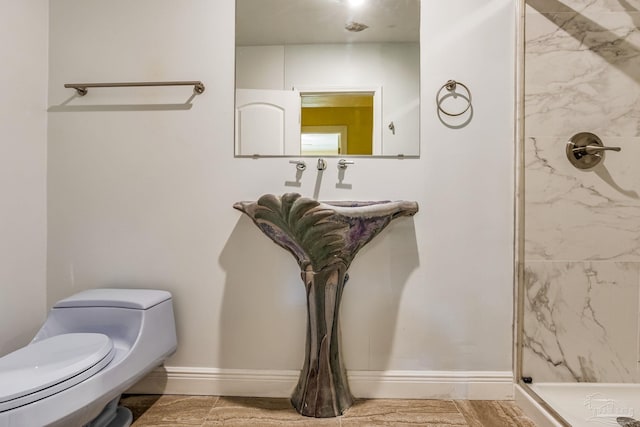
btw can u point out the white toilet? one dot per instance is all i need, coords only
(93, 346)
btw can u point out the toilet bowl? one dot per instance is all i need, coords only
(92, 347)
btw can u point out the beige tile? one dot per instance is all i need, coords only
(139, 404)
(209, 411)
(484, 413)
(175, 411)
(244, 411)
(396, 412)
(512, 410)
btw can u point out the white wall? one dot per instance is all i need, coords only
(23, 80)
(141, 195)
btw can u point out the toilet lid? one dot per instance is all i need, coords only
(51, 365)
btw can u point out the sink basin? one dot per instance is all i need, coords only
(324, 237)
(319, 234)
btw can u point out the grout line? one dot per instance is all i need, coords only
(213, 406)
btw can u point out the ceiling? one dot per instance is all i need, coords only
(276, 22)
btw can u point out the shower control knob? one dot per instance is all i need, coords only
(585, 150)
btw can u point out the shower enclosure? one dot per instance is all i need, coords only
(579, 229)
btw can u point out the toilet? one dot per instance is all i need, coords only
(92, 347)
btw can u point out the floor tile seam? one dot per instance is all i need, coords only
(255, 415)
(462, 413)
(213, 406)
(501, 411)
(511, 411)
(507, 412)
(444, 418)
(455, 412)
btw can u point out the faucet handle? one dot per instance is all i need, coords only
(585, 150)
(593, 149)
(300, 164)
(343, 163)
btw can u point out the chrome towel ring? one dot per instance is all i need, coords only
(451, 86)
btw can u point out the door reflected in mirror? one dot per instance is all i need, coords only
(318, 77)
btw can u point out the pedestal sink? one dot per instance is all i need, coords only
(324, 237)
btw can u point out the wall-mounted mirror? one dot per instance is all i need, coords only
(327, 77)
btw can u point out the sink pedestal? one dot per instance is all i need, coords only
(324, 237)
(323, 390)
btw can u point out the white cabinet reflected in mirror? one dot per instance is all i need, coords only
(327, 77)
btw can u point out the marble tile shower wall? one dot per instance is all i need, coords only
(582, 228)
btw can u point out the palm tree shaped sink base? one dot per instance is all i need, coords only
(324, 237)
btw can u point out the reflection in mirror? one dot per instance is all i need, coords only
(325, 141)
(311, 75)
(322, 113)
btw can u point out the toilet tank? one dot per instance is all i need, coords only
(127, 316)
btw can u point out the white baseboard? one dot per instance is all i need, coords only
(471, 385)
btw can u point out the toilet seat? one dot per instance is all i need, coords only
(51, 365)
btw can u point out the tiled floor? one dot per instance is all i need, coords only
(206, 411)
